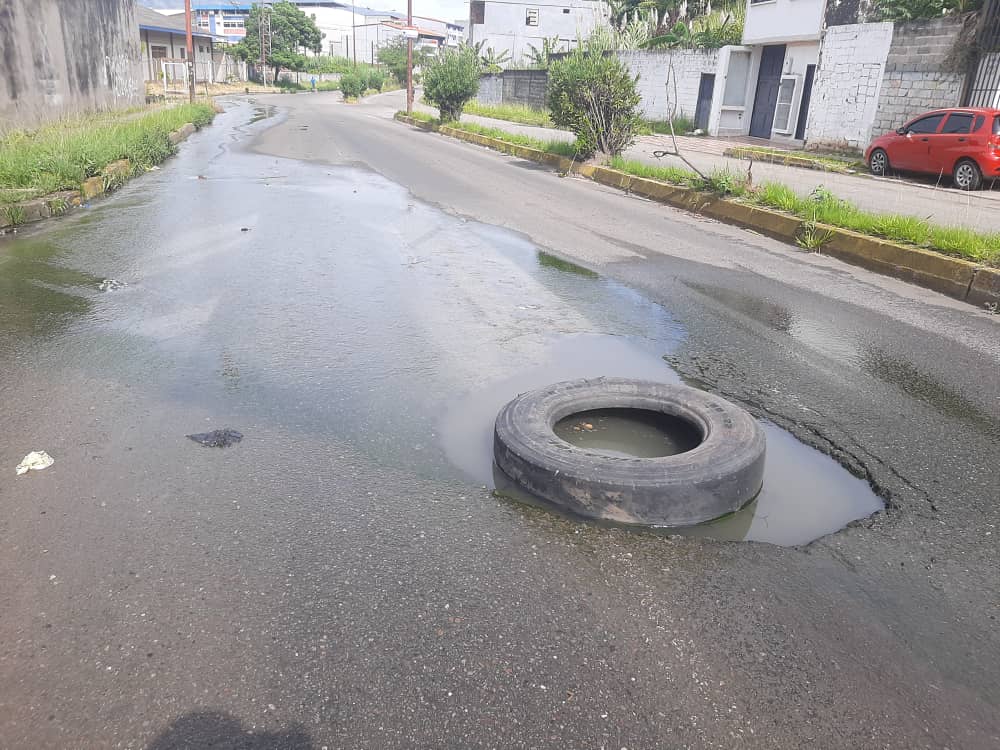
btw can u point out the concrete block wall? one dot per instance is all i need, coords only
(918, 74)
(62, 57)
(526, 87)
(669, 79)
(847, 87)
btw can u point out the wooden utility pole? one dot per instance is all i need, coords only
(409, 58)
(354, 36)
(190, 49)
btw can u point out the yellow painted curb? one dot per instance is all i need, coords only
(955, 277)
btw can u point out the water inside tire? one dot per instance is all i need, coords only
(628, 433)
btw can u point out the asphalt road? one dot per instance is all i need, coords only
(334, 582)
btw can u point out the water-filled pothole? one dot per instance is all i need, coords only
(628, 433)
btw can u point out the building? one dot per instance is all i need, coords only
(454, 33)
(517, 26)
(767, 82)
(163, 39)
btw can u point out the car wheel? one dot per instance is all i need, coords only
(967, 175)
(878, 162)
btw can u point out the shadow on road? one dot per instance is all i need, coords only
(198, 730)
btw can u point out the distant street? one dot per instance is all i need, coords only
(357, 298)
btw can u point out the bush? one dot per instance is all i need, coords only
(596, 98)
(353, 85)
(451, 80)
(376, 79)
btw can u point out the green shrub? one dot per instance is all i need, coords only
(596, 98)
(451, 80)
(328, 86)
(353, 85)
(375, 79)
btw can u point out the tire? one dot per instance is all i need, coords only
(878, 162)
(720, 475)
(967, 175)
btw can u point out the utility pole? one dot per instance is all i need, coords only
(264, 30)
(190, 49)
(409, 57)
(354, 37)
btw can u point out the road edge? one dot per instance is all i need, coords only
(957, 278)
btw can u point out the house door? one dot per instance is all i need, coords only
(807, 89)
(768, 80)
(704, 107)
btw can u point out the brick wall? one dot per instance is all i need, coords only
(918, 73)
(847, 87)
(657, 85)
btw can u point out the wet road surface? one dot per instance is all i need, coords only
(344, 576)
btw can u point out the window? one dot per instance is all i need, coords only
(979, 124)
(783, 108)
(531, 16)
(477, 11)
(565, 10)
(925, 124)
(232, 24)
(958, 122)
(735, 93)
(201, 47)
(183, 53)
(203, 22)
(157, 52)
(996, 125)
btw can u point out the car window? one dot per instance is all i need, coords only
(925, 124)
(958, 122)
(979, 124)
(996, 125)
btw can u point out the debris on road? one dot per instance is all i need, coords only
(36, 460)
(217, 438)
(111, 285)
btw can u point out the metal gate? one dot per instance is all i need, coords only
(982, 87)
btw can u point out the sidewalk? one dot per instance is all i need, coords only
(978, 210)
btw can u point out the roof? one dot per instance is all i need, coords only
(420, 31)
(152, 21)
(224, 5)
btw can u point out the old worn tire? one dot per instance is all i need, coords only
(719, 476)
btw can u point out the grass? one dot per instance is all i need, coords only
(563, 148)
(824, 161)
(721, 181)
(60, 156)
(682, 126)
(512, 113)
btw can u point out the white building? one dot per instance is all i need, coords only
(513, 25)
(454, 33)
(767, 82)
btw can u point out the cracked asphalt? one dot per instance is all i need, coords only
(335, 581)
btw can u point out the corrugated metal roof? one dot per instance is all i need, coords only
(153, 21)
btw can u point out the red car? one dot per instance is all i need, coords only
(963, 143)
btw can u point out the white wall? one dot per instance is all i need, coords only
(504, 26)
(777, 21)
(848, 82)
(669, 80)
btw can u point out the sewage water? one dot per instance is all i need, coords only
(628, 433)
(349, 312)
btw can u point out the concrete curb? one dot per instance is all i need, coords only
(112, 177)
(787, 160)
(954, 277)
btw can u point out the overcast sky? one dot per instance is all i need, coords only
(447, 10)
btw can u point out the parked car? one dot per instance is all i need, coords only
(963, 143)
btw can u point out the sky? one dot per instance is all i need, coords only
(446, 10)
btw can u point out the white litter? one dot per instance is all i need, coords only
(36, 460)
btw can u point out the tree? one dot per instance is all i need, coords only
(540, 58)
(292, 34)
(393, 57)
(595, 96)
(451, 80)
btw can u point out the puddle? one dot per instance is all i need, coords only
(351, 313)
(628, 433)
